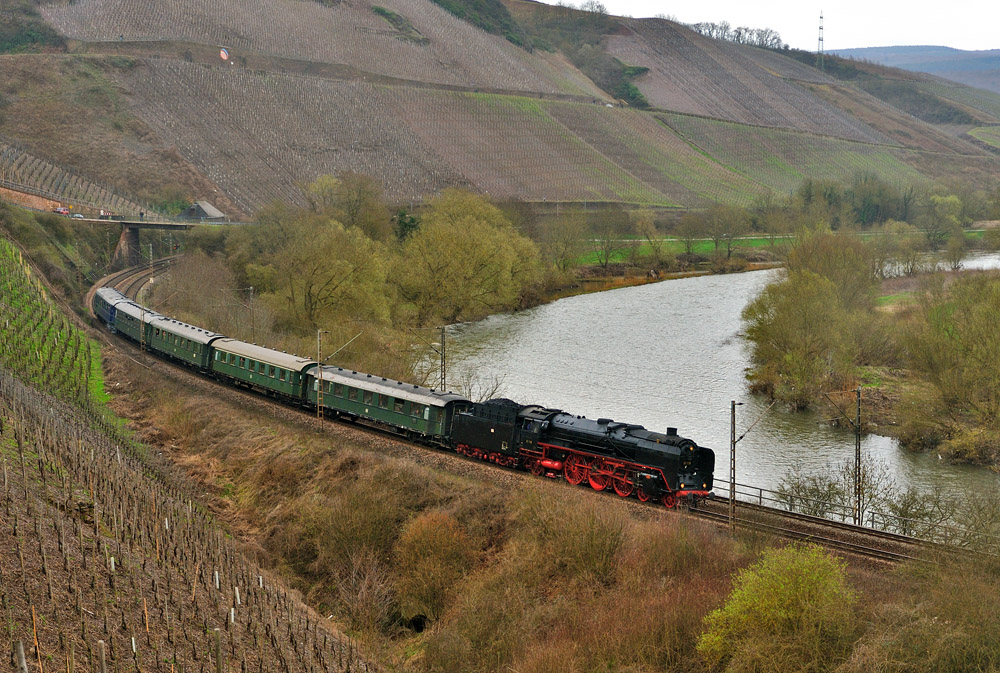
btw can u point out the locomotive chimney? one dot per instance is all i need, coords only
(672, 431)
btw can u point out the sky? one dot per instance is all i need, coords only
(967, 24)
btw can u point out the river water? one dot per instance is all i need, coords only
(671, 354)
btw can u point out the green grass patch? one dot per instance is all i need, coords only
(987, 134)
(895, 299)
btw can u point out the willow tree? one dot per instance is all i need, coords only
(465, 261)
(309, 266)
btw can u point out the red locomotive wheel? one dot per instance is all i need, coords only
(623, 487)
(575, 469)
(599, 480)
(643, 496)
(669, 500)
(535, 467)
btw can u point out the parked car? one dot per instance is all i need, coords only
(77, 216)
(61, 210)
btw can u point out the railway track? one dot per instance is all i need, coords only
(838, 535)
(130, 281)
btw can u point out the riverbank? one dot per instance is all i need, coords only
(594, 278)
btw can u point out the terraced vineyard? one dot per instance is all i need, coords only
(454, 52)
(258, 135)
(694, 74)
(508, 146)
(106, 564)
(19, 168)
(39, 344)
(904, 129)
(986, 102)
(782, 159)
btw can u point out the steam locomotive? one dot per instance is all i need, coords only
(601, 453)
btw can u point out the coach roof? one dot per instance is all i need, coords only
(389, 387)
(136, 311)
(294, 363)
(182, 329)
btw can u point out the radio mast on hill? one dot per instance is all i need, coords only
(819, 47)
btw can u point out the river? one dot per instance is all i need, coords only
(671, 354)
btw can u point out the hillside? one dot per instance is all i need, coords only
(140, 102)
(107, 556)
(979, 69)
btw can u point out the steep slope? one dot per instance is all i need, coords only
(418, 99)
(440, 48)
(694, 74)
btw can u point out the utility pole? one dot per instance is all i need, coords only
(856, 423)
(444, 379)
(857, 461)
(319, 373)
(253, 338)
(732, 465)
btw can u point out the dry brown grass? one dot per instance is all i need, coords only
(560, 579)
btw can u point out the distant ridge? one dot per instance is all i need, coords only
(980, 69)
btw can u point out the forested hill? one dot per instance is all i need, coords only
(974, 68)
(522, 101)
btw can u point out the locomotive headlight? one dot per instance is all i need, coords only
(682, 485)
(704, 485)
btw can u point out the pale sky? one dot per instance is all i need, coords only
(962, 24)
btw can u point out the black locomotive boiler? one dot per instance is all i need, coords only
(604, 453)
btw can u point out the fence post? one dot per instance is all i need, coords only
(218, 650)
(22, 664)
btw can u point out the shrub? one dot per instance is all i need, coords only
(431, 555)
(791, 611)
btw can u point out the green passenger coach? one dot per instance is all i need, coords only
(180, 341)
(254, 366)
(415, 409)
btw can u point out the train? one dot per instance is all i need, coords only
(598, 453)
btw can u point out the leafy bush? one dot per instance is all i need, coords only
(490, 15)
(23, 30)
(431, 555)
(791, 611)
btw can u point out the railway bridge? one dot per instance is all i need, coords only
(127, 253)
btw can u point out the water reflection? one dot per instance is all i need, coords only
(670, 354)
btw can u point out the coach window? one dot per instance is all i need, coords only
(243, 363)
(281, 374)
(416, 410)
(368, 397)
(270, 371)
(399, 406)
(383, 402)
(352, 394)
(338, 389)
